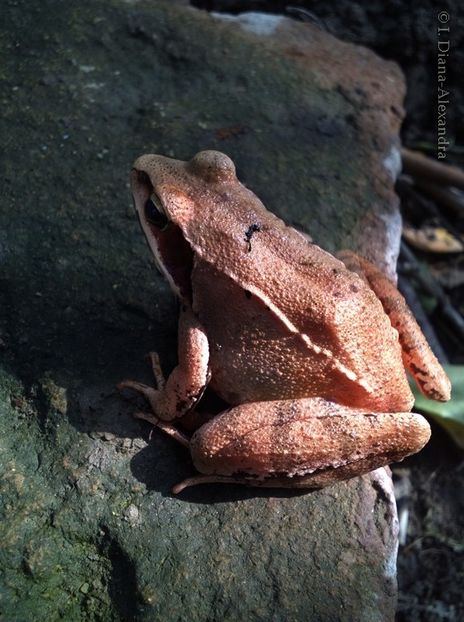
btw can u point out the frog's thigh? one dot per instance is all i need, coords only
(293, 442)
(418, 358)
(188, 380)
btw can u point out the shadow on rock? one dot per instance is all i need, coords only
(163, 463)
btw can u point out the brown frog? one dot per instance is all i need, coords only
(309, 350)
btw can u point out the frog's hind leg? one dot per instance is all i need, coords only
(418, 358)
(304, 443)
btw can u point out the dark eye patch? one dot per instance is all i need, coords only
(154, 216)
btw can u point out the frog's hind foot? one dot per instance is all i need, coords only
(269, 482)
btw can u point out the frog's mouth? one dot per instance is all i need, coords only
(171, 251)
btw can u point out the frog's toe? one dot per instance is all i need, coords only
(157, 371)
(149, 393)
(207, 479)
(146, 417)
(167, 428)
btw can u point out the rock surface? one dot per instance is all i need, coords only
(89, 530)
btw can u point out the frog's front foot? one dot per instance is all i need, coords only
(149, 393)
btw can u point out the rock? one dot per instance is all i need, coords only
(89, 529)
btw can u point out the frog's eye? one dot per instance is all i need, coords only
(154, 212)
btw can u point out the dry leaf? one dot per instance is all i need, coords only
(432, 239)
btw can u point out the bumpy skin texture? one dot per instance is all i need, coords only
(298, 439)
(282, 320)
(418, 358)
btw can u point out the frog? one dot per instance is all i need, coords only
(308, 350)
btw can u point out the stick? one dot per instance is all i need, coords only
(419, 165)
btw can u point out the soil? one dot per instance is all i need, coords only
(431, 561)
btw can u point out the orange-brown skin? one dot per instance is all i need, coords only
(299, 439)
(277, 320)
(418, 358)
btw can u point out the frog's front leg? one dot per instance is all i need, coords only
(187, 381)
(308, 443)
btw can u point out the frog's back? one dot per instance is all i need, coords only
(291, 339)
(284, 318)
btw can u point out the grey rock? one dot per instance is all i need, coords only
(89, 529)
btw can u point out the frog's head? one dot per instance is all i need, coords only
(173, 200)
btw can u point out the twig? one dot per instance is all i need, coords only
(307, 16)
(420, 166)
(451, 201)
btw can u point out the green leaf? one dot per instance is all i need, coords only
(450, 414)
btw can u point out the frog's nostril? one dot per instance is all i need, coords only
(154, 215)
